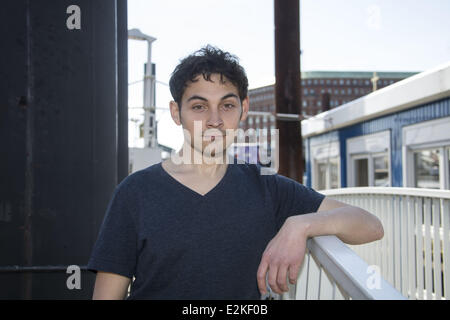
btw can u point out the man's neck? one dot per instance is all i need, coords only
(199, 164)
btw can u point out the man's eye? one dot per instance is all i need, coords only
(228, 106)
(197, 107)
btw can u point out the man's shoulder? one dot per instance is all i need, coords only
(139, 178)
(247, 169)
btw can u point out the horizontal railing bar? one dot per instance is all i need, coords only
(415, 192)
(12, 269)
(349, 270)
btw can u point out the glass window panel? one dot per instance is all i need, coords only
(426, 169)
(334, 177)
(322, 176)
(361, 172)
(381, 171)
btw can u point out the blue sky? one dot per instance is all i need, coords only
(347, 35)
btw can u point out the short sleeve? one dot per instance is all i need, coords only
(292, 198)
(115, 248)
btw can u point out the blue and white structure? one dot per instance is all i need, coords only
(398, 136)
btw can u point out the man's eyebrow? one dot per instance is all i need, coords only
(230, 95)
(195, 97)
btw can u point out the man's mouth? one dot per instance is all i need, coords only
(213, 137)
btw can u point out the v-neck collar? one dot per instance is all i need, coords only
(189, 190)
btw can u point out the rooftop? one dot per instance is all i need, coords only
(421, 88)
(356, 74)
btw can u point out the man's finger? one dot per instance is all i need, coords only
(261, 276)
(272, 278)
(281, 278)
(293, 273)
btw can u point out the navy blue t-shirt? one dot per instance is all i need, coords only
(179, 244)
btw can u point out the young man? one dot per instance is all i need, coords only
(211, 229)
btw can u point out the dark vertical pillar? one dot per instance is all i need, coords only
(122, 101)
(287, 86)
(59, 118)
(13, 162)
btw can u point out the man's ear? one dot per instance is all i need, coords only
(245, 105)
(175, 112)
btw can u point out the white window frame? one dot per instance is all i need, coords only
(368, 146)
(432, 134)
(370, 166)
(321, 154)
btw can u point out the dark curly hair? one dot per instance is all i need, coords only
(206, 61)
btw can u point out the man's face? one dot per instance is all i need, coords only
(208, 110)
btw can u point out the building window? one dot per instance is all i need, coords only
(367, 82)
(381, 170)
(321, 81)
(341, 82)
(426, 153)
(305, 103)
(369, 163)
(426, 169)
(347, 82)
(349, 91)
(315, 81)
(325, 166)
(362, 172)
(448, 166)
(308, 82)
(328, 81)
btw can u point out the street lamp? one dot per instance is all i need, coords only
(149, 94)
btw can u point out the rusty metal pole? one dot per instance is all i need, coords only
(287, 86)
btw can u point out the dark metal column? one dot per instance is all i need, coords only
(122, 101)
(59, 93)
(287, 86)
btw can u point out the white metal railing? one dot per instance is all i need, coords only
(332, 271)
(413, 255)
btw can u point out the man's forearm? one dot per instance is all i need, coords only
(351, 224)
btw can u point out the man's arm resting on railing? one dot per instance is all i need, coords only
(350, 224)
(285, 252)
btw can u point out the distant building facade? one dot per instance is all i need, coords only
(320, 91)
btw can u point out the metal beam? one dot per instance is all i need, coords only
(287, 86)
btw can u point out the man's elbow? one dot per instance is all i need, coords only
(378, 230)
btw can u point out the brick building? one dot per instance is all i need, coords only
(319, 90)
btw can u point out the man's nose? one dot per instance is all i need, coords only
(214, 120)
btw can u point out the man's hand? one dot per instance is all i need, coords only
(283, 256)
(285, 252)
